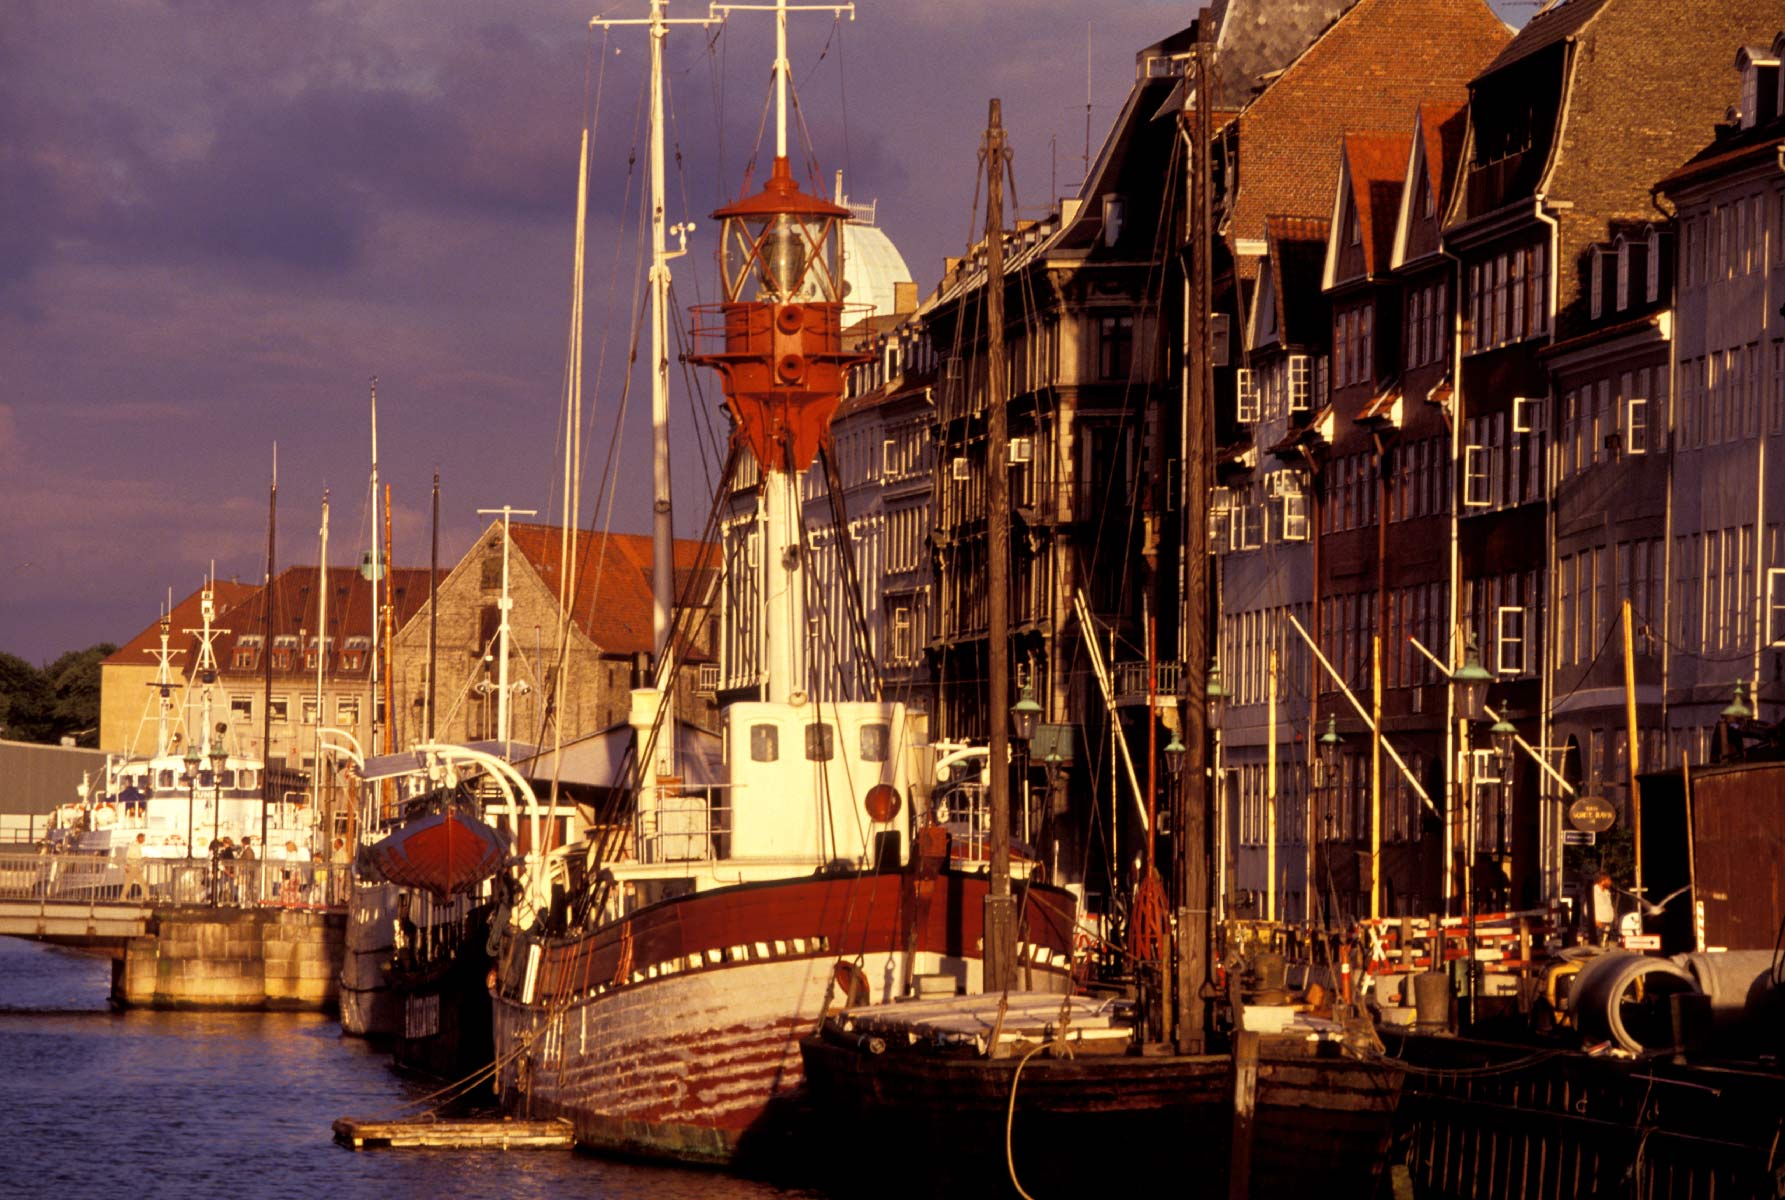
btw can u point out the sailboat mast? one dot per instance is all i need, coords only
(374, 673)
(662, 527)
(663, 563)
(433, 603)
(266, 655)
(1000, 911)
(321, 642)
(389, 614)
(1190, 833)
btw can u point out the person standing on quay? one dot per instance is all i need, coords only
(250, 872)
(339, 860)
(133, 870)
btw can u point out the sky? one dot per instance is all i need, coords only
(220, 219)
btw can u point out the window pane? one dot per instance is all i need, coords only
(765, 743)
(876, 742)
(819, 742)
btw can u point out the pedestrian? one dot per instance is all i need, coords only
(249, 866)
(133, 869)
(1605, 909)
(338, 862)
(226, 872)
(290, 886)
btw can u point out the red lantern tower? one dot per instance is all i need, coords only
(777, 343)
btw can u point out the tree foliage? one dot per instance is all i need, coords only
(60, 700)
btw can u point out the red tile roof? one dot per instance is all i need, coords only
(1297, 247)
(1442, 129)
(135, 653)
(296, 609)
(1377, 165)
(1370, 70)
(613, 580)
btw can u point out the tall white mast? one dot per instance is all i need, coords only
(663, 562)
(321, 630)
(373, 673)
(783, 69)
(502, 607)
(785, 669)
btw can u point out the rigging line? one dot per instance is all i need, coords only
(716, 84)
(696, 396)
(806, 142)
(843, 101)
(1155, 278)
(854, 595)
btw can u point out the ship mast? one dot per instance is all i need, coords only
(1000, 910)
(785, 670)
(663, 562)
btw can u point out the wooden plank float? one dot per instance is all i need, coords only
(432, 1133)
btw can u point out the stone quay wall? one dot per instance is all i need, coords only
(233, 959)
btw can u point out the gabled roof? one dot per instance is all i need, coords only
(297, 608)
(1375, 165)
(1434, 156)
(1370, 70)
(1554, 24)
(226, 593)
(1297, 250)
(613, 603)
(1731, 151)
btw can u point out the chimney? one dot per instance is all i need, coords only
(904, 297)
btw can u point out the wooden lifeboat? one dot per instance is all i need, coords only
(444, 853)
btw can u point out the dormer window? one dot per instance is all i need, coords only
(1354, 230)
(1600, 266)
(1623, 275)
(1653, 292)
(1113, 211)
(1760, 85)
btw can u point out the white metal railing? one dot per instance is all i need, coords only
(966, 809)
(684, 827)
(251, 883)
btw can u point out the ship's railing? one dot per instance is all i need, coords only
(966, 810)
(1132, 679)
(685, 826)
(85, 878)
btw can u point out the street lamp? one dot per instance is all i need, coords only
(1471, 681)
(1329, 743)
(1024, 714)
(1174, 752)
(1738, 709)
(1216, 696)
(1504, 738)
(219, 757)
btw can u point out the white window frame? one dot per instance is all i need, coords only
(1775, 606)
(1475, 468)
(1527, 413)
(889, 456)
(1220, 513)
(1246, 402)
(1295, 517)
(1636, 425)
(1241, 524)
(959, 469)
(1022, 450)
(1510, 624)
(1300, 383)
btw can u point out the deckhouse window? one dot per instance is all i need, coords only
(876, 741)
(765, 743)
(820, 742)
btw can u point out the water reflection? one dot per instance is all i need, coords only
(236, 1106)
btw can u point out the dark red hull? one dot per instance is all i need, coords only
(675, 1032)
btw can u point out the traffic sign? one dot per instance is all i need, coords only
(1592, 814)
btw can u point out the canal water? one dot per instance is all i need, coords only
(236, 1107)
